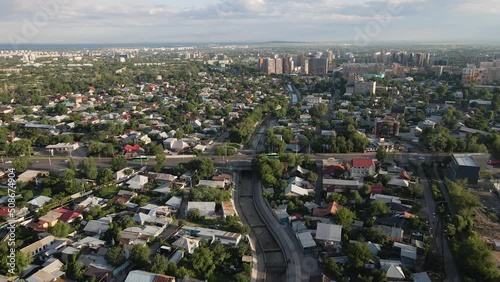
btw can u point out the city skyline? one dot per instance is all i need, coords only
(153, 21)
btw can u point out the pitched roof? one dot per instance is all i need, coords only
(67, 215)
(187, 243)
(395, 272)
(294, 190)
(331, 208)
(329, 232)
(361, 162)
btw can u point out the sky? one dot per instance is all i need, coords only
(206, 21)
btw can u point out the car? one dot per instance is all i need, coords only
(8, 162)
(421, 158)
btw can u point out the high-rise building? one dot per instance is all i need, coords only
(318, 66)
(427, 60)
(388, 127)
(288, 65)
(329, 56)
(260, 64)
(364, 87)
(305, 65)
(474, 74)
(493, 70)
(269, 65)
(278, 66)
(439, 71)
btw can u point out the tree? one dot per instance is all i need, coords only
(194, 214)
(378, 208)
(126, 222)
(76, 271)
(106, 176)
(381, 154)
(344, 217)
(116, 256)
(333, 268)
(140, 255)
(161, 160)
(474, 258)
(72, 164)
(19, 148)
(358, 254)
(118, 162)
(203, 262)
(159, 264)
(61, 229)
(21, 164)
(22, 261)
(89, 168)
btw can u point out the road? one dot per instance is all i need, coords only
(59, 164)
(452, 273)
(437, 226)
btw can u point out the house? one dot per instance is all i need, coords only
(394, 233)
(306, 241)
(397, 182)
(88, 242)
(211, 184)
(298, 170)
(329, 209)
(91, 202)
(408, 254)
(38, 246)
(385, 198)
(139, 235)
(123, 174)
(187, 243)
(31, 175)
(295, 191)
(132, 151)
(228, 209)
(421, 277)
(205, 208)
(137, 182)
(39, 201)
(341, 185)
(329, 232)
(68, 252)
(96, 265)
(374, 248)
(174, 203)
(464, 166)
(153, 214)
(53, 217)
(99, 226)
(143, 276)
(211, 235)
(394, 273)
(165, 188)
(51, 271)
(362, 167)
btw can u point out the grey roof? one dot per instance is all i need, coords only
(143, 276)
(329, 232)
(464, 160)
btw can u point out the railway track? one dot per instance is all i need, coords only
(267, 245)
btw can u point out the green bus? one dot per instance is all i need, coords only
(273, 156)
(141, 159)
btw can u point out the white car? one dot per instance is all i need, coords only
(421, 158)
(8, 162)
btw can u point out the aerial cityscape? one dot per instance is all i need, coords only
(249, 140)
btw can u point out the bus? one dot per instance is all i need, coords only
(273, 156)
(141, 159)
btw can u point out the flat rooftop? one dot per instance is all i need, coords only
(464, 160)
